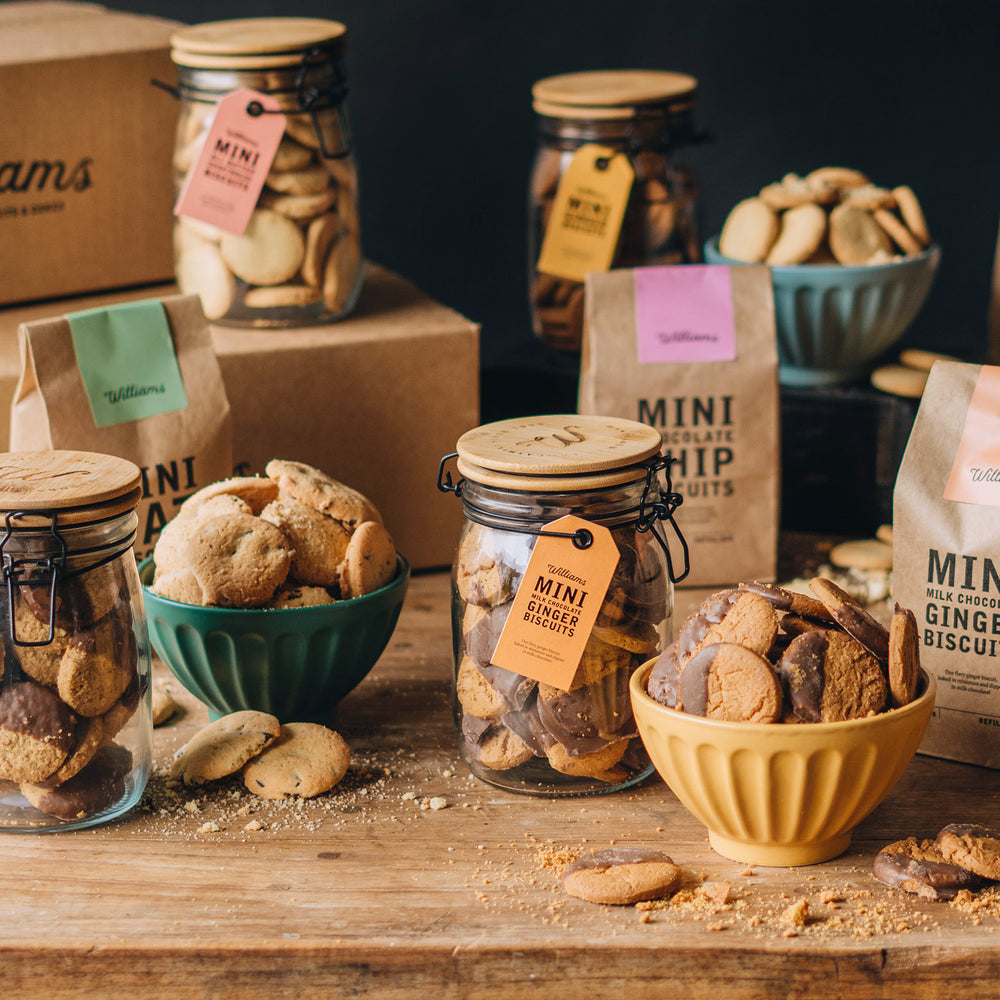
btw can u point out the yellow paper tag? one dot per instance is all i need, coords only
(557, 603)
(587, 214)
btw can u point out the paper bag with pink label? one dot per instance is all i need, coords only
(691, 351)
(946, 555)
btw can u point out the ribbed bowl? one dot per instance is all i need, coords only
(783, 794)
(834, 321)
(296, 663)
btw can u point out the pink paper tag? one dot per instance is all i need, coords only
(223, 185)
(684, 313)
(975, 474)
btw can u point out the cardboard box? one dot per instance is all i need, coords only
(86, 193)
(375, 400)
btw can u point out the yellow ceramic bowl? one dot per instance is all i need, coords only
(783, 794)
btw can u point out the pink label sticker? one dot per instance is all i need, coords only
(975, 474)
(684, 313)
(225, 182)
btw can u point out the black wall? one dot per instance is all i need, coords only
(441, 109)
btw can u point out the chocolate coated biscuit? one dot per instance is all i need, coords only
(852, 617)
(730, 682)
(972, 846)
(918, 866)
(621, 876)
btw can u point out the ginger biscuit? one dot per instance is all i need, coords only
(224, 746)
(870, 197)
(862, 553)
(97, 666)
(310, 179)
(750, 620)
(268, 252)
(749, 231)
(202, 270)
(493, 745)
(855, 237)
(904, 657)
(293, 296)
(256, 491)
(316, 488)
(37, 732)
(853, 618)
(343, 263)
(663, 683)
(790, 600)
(369, 561)
(321, 234)
(803, 229)
(291, 155)
(918, 866)
(972, 846)
(319, 543)
(896, 231)
(298, 207)
(96, 787)
(730, 682)
(622, 876)
(841, 178)
(305, 760)
(475, 693)
(912, 213)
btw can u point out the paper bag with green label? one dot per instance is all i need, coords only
(691, 350)
(140, 381)
(946, 555)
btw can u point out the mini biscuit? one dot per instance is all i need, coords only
(89, 738)
(904, 657)
(749, 620)
(869, 197)
(37, 732)
(803, 229)
(319, 542)
(637, 637)
(203, 271)
(598, 764)
(340, 273)
(308, 484)
(841, 178)
(749, 231)
(915, 357)
(96, 787)
(862, 553)
(622, 876)
(268, 252)
(256, 491)
(224, 746)
(294, 296)
(310, 179)
(298, 207)
(884, 533)
(40, 663)
(494, 746)
(793, 190)
(899, 380)
(918, 866)
(97, 666)
(972, 846)
(290, 595)
(291, 155)
(784, 599)
(663, 683)
(180, 585)
(897, 232)
(321, 234)
(852, 617)
(304, 761)
(238, 561)
(855, 236)
(369, 562)
(81, 600)
(309, 129)
(912, 213)
(730, 682)
(475, 693)
(164, 706)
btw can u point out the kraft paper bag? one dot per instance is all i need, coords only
(946, 555)
(691, 350)
(140, 381)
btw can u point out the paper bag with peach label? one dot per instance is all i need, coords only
(691, 350)
(946, 555)
(140, 381)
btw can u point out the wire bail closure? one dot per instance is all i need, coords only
(657, 504)
(13, 569)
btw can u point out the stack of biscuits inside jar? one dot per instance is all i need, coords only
(298, 259)
(75, 721)
(635, 123)
(524, 593)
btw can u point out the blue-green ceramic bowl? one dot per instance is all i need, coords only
(296, 663)
(833, 321)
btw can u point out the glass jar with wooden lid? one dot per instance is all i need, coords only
(75, 720)
(283, 148)
(609, 186)
(562, 585)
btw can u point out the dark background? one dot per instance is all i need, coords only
(441, 108)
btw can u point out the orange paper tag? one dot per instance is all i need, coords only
(587, 214)
(223, 185)
(975, 474)
(556, 605)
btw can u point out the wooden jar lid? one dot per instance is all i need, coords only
(253, 42)
(79, 486)
(555, 453)
(608, 94)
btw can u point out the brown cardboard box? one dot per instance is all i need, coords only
(375, 400)
(85, 167)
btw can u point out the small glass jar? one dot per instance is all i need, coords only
(517, 477)
(299, 262)
(76, 728)
(648, 116)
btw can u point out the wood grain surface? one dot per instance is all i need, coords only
(414, 879)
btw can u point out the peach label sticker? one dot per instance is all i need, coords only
(684, 313)
(975, 474)
(587, 214)
(223, 185)
(557, 603)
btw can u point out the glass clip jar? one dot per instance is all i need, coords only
(646, 116)
(516, 729)
(76, 740)
(299, 259)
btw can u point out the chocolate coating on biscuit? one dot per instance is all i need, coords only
(852, 617)
(919, 867)
(730, 682)
(664, 679)
(95, 788)
(36, 732)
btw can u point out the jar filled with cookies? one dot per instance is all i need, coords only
(267, 228)
(562, 586)
(609, 187)
(75, 718)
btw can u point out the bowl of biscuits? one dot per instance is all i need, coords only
(851, 262)
(274, 593)
(782, 719)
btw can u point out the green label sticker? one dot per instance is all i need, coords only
(127, 361)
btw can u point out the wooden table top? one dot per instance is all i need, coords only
(413, 878)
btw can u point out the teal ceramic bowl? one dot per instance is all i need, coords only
(295, 663)
(833, 322)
